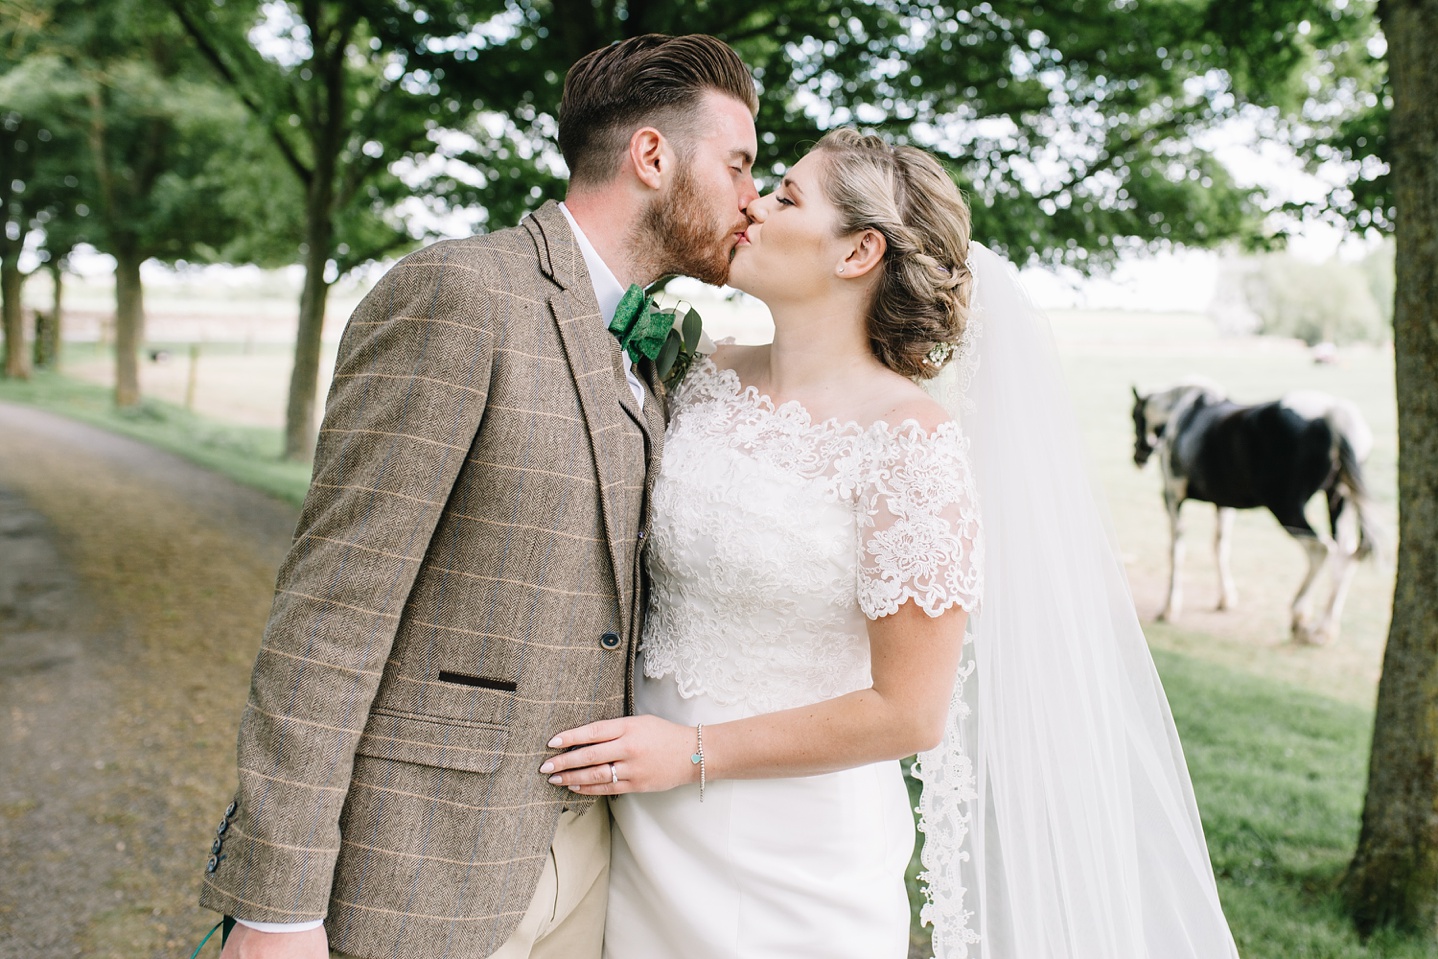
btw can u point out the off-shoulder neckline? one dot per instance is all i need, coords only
(798, 414)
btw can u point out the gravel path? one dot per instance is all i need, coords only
(133, 588)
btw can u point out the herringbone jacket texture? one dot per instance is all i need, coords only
(464, 582)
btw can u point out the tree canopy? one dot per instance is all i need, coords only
(1080, 131)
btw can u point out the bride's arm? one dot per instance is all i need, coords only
(914, 658)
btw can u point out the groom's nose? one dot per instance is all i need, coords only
(748, 193)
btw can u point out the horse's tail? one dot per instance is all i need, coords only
(1354, 490)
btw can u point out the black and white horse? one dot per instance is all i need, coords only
(1275, 455)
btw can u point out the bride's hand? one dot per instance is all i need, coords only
(628, 755)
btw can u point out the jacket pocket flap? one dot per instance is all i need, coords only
(471, 747)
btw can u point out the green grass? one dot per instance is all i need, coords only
(1278, 773)
(247, 454)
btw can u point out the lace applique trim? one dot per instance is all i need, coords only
(945, 817)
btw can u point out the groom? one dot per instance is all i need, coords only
(465, 577)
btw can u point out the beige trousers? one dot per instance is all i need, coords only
(565, 919)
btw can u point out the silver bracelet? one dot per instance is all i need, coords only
(698, 757)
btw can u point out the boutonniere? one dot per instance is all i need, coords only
(670, 337)
(683, 344)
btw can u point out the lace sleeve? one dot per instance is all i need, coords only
(918, 525)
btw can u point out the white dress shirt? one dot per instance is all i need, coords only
(608, 293)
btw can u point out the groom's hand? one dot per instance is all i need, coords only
(615, 756)
(247, 943)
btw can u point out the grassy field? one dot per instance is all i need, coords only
(1276, 735)
(1104, 355)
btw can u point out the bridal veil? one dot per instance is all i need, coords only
(1058, 814)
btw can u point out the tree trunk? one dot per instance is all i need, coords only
(39, 358)
(304, 378)
(11, 281)
(330, 123)
(53, 337)
(129, 326)
(1393, 879)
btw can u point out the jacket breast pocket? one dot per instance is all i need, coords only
(470, 747)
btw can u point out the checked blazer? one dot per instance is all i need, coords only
(465, 581)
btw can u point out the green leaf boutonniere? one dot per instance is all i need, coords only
(684, 342)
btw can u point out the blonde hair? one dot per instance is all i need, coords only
(921, 303)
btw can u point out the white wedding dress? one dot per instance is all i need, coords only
(774, 540)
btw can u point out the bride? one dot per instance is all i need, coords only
(848, 568)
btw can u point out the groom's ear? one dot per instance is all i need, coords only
(867, 253)
(650, 157)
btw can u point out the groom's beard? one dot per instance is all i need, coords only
(689, 239)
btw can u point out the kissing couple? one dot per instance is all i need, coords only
(564, 662)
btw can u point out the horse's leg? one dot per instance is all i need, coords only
(1343, 520)
(1318, 550)
(1317, 554)
(1345, 568)
(1222, 541)
(1174, 604)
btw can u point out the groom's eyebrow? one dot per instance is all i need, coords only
(744, 155)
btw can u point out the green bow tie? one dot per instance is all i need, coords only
(639, 326)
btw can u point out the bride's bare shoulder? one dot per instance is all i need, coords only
(903, 400)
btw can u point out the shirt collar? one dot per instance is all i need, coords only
(607, 290)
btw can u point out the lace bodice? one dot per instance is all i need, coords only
(775, 538)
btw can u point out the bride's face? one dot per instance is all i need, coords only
(792, 249)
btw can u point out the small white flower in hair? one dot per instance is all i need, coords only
(939, 354)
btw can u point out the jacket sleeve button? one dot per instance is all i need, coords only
(213, 864)
(609, 640)
(230, 809)
(215, 849)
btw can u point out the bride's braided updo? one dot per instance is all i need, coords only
(921, 303)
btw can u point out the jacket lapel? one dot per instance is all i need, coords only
(654, 420)
(591, 353)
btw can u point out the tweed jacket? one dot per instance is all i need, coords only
(465, 581)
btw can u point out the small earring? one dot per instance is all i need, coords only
(841, 269)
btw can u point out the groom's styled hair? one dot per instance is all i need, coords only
(651, 80)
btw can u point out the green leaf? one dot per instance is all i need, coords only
(668, 353)
(693, 327)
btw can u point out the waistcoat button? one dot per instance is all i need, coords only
(609, 640)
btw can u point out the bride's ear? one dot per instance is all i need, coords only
(866, 253)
